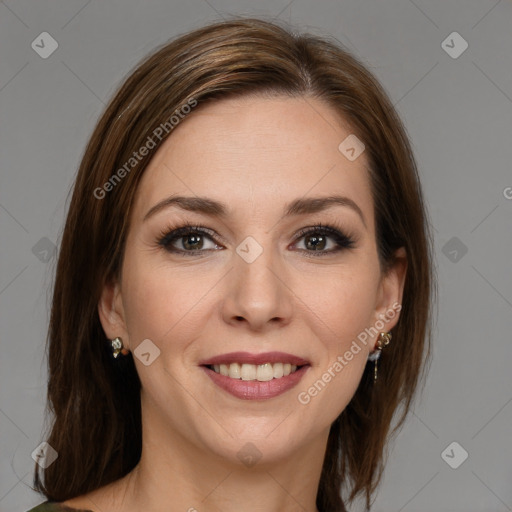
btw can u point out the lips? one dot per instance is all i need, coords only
(255, 383)
(257, 359)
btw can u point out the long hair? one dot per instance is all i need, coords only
(95, 404)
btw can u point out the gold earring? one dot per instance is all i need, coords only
(117, 347)
(383, 340)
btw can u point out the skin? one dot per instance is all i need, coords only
(256, 154)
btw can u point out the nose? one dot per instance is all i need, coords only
(257, 295)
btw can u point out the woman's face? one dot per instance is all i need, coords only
(251, 282)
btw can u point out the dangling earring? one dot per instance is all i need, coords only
(117, 347)
(383, 340)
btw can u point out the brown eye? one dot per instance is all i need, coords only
(324, 240)
(192, 242)
(188, 239)
(316, 242)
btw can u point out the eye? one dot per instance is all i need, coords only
(192, 240)
(188, 239)
(318, 238)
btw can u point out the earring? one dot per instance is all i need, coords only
(383, 340)
(117, 347)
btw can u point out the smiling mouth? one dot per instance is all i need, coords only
(255, 372)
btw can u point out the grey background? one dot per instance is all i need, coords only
(458, 112)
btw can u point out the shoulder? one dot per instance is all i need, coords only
(51, 506)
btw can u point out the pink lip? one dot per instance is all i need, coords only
(248, 358)
(255, 390)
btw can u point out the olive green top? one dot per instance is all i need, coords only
(52, 506)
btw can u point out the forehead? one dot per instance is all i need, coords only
(256, 154)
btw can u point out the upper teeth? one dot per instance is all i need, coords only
(260, 372)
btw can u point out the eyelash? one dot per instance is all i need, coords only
(169, 235)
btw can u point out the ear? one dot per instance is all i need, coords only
(111, 312)
(391, 288)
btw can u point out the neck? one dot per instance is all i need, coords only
(173, 471)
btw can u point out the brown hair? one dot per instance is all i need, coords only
(95, 403)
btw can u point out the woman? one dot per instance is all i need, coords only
(247, 235)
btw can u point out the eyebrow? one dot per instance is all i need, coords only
(207, 206)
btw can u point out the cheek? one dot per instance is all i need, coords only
(334, 381)
(160, 303)
(343, 312)
(151, 307)
(344, 302)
